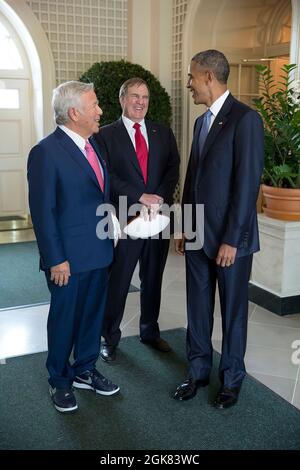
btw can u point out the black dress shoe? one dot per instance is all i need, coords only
(159, 344)
(188, 388)
(108, 352)
(226, 397)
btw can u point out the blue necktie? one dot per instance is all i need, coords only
(204, 130)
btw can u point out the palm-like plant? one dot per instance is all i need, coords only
(280, 112)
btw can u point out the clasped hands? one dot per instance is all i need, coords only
(151, 203)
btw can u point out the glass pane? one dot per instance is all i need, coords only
(9, 99)
(233, 79)
(249, 82)
(9, 58)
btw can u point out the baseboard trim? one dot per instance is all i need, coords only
(279, 305)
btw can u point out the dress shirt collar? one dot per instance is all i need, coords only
(217, 105)
(128, 123)
(77, 139)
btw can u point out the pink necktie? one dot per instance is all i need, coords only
(94, 162)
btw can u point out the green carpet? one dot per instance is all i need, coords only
(143, 415)
(21, 282)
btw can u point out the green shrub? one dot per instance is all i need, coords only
(109, 76)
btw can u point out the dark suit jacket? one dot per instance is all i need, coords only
(63, 197)
(125, 174)
(226, 178)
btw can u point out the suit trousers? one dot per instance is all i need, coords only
(202, 275)
(74, 322)
(151, 255)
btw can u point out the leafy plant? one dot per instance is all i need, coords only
(280, 111)
(109, 76)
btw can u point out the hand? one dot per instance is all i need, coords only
(154, 208)
(60, 273)
(149, 199)
(179, 240)
(226, 255)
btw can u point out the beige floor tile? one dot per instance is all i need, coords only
(281, 337)
(280, 385)
(262, 315)
(266, 361)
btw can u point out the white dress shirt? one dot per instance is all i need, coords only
(216, 106)
(128, 123)
(79, 141)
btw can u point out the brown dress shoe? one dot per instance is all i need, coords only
(159, 344)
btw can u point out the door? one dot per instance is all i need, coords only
(15, 132)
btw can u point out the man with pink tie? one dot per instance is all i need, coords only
(68, 181)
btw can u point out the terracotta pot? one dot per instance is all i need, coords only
(281, 203)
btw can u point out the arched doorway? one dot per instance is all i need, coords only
(246, 32)
(15, 122)
(31, 117)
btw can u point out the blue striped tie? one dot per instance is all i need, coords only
(204, 130)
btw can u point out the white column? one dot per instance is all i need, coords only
(295, 36)
(141, 32)
(150, 42)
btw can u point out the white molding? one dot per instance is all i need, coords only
(40, 58)
(295, 36)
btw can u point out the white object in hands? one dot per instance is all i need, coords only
(116, 229)
(141, 228)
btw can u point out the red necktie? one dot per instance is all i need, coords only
(141, 150)
(94, 162)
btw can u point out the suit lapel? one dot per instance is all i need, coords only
(218, 124)
(153, 149)
(76, 154)
(102, 162)
(125, 142)
(195, 142)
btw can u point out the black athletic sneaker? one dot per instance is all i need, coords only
(63, 399)
(93, 380)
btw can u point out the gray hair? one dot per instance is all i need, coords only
(131, 82)
(67, 95)
(216, 62)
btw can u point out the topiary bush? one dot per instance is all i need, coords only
(109, 76)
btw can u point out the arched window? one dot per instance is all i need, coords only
(10, 58)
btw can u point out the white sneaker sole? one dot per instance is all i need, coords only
(90, 387)
(65, 410)
(62, 410)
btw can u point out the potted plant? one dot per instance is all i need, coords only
(280, 110)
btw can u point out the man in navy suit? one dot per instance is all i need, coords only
(223, 174)
(68, 180)
(143, 161)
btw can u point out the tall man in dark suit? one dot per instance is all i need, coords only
(68, 180)
(223, 174)
(143, 161)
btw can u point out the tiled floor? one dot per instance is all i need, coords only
(270, 337)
